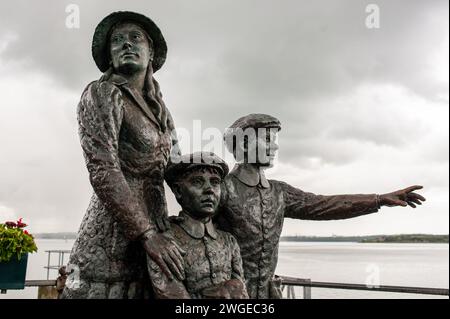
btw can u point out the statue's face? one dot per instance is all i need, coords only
(199, 192)
(262, 149)
(130, 49)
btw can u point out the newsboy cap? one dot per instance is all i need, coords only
(103, 32)
(256, 120)
(188, 162)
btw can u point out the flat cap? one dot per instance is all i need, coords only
(256, 120)
(186, 162)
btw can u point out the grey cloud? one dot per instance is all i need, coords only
(278, 50)
(263, 57)
(282, 61)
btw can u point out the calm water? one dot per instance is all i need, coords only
(418, 265)
(425, 265)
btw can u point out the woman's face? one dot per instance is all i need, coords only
(130, 49)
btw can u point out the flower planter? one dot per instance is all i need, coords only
(12, 273)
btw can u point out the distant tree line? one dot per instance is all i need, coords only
(67, 235)
(402, 238)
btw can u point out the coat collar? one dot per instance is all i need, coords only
(122, 82)
(196, 228)
(250, 175)
(117, 79)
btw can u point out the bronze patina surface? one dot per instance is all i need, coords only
(126, 134)
(212, 263)
(253, 208)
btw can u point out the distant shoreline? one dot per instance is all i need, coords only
(401, 238)
(65, 235)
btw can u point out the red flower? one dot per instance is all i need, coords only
(20, 224)
(26, 232)
(11, 224)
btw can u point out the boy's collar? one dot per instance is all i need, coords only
(250, 175)
(196, 228)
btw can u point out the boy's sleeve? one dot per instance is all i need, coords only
(236, 261)
(237, 268)
(303, 205)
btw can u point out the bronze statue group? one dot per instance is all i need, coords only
(224, 242)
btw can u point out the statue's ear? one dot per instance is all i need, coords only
(176, 189)
(242, 144)
(240, 149)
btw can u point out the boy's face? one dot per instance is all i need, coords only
(263, 149)
(198, 192)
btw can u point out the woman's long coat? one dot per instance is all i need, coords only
(126, 150)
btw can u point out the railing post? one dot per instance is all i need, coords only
(47, 292)
(307, 290)
(48, 264)
(290, 292)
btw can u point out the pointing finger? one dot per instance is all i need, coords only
(412, 188)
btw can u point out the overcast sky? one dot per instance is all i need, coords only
(363, 110)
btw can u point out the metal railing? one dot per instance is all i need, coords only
(61, 254)
(288, 284)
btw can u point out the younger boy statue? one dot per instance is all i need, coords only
(212, 263)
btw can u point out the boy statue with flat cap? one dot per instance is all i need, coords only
(253, 208)
(212, 263)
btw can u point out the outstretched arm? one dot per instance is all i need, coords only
(303, 205)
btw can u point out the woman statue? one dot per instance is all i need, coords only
(127, 135)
